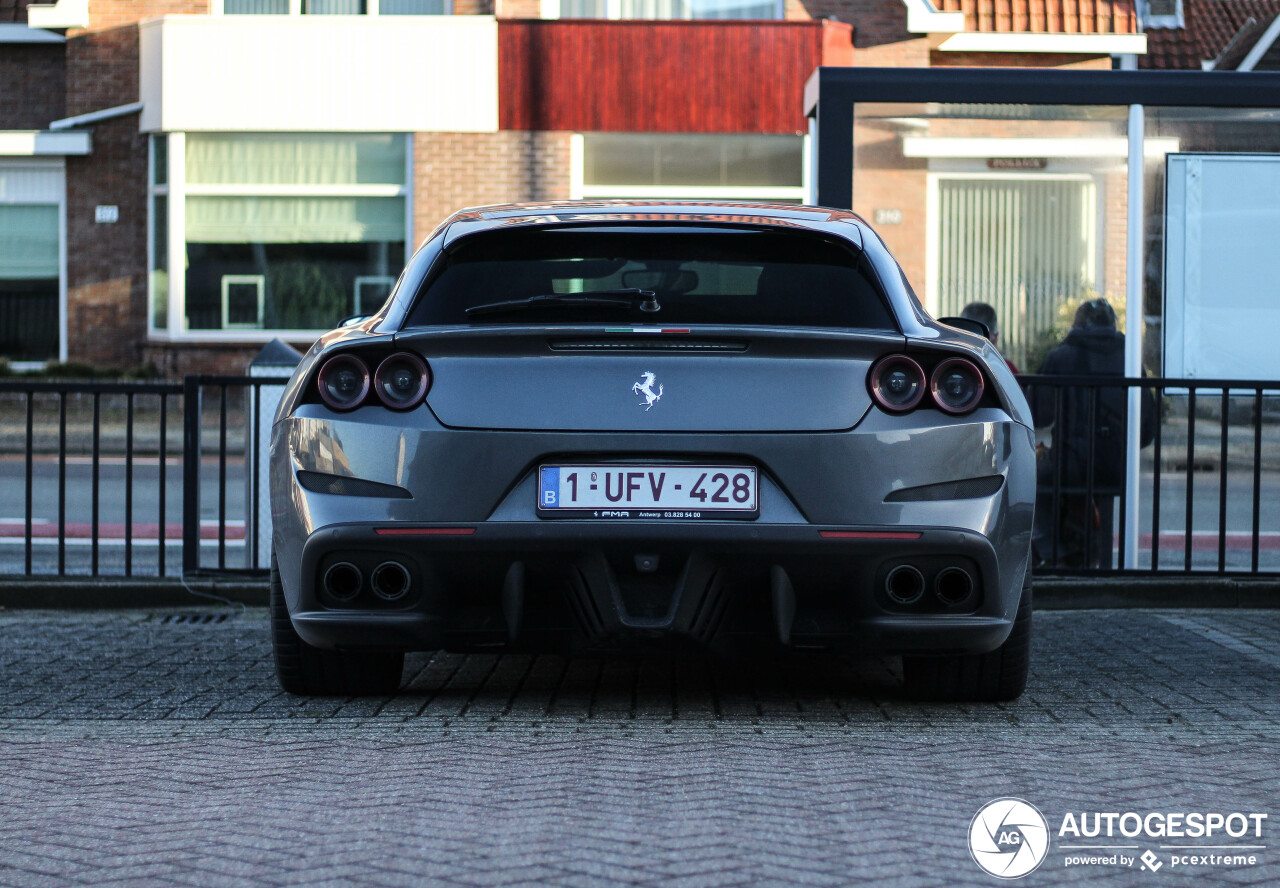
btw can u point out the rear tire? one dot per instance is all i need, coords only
(979, 678)
(309, 671)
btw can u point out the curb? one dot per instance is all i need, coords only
(1051, 593)
(1081, 593)
(114, 593)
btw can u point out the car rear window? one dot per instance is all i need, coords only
(726, 276)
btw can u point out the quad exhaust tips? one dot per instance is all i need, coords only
(953, 585)
(905, 584)
(343, 580)
(390, 580)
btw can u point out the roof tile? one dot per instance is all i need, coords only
(1209, 25)
(1046, 16)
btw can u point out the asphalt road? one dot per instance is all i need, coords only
(144, 752)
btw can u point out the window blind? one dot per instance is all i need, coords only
(282, 220)
(28, 241)
(295, 159)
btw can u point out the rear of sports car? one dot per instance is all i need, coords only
(612, 427)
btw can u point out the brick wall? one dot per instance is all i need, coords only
(456, 170)
(880, 35)
(518, 9)
(1114, 273)
(885, 180)
(177, 360)
(13, 12)
(481, 7)
(107, 263)
(32, 83)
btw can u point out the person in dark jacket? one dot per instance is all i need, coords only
(1087, 456)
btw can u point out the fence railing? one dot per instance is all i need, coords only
(99, 478)
(62, 424)
(133, 479)
(1207, 480)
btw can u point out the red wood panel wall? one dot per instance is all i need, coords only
(644, 76)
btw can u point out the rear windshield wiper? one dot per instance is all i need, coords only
(626, 297)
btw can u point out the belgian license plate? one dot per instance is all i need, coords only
(647, 491)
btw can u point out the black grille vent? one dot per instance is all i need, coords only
(648, 345)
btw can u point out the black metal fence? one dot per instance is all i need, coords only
(1208, 475)
(102, 479)
(243, 423)
(122, 478)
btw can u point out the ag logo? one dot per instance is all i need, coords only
(1008, 838)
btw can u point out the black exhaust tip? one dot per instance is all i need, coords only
(343, 581)
(390, 580)
(953, 585)
(904, 584)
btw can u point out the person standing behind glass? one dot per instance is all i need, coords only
(1089, 423)
(986, 315)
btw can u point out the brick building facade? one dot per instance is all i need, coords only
(205, 161)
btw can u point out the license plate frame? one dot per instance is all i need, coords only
(648, 491)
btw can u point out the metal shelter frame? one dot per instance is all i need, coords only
(832, 95)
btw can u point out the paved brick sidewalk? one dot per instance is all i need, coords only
(144, 752)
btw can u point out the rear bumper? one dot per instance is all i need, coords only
(574, 585)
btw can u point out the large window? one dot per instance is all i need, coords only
(672, 9)
(717, 167)
(335, 7)
(30, 261)
(279, 232)
(28, 282)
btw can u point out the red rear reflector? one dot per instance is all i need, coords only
(869, 534)
(424, 531)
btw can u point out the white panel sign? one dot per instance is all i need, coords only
(320, 73)
(1222, 307)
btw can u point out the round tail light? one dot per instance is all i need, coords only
(343, 382)
(957, 385)
(402, 381)
(897, 383)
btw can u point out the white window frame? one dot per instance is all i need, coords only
(230, 280)
(154, 191)
(1149, 20)
(57, 197)
(578, 189)
(177, 191)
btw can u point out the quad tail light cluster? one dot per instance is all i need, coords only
(898, 384)
(400, 382)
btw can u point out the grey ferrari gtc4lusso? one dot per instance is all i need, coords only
(589, 426)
